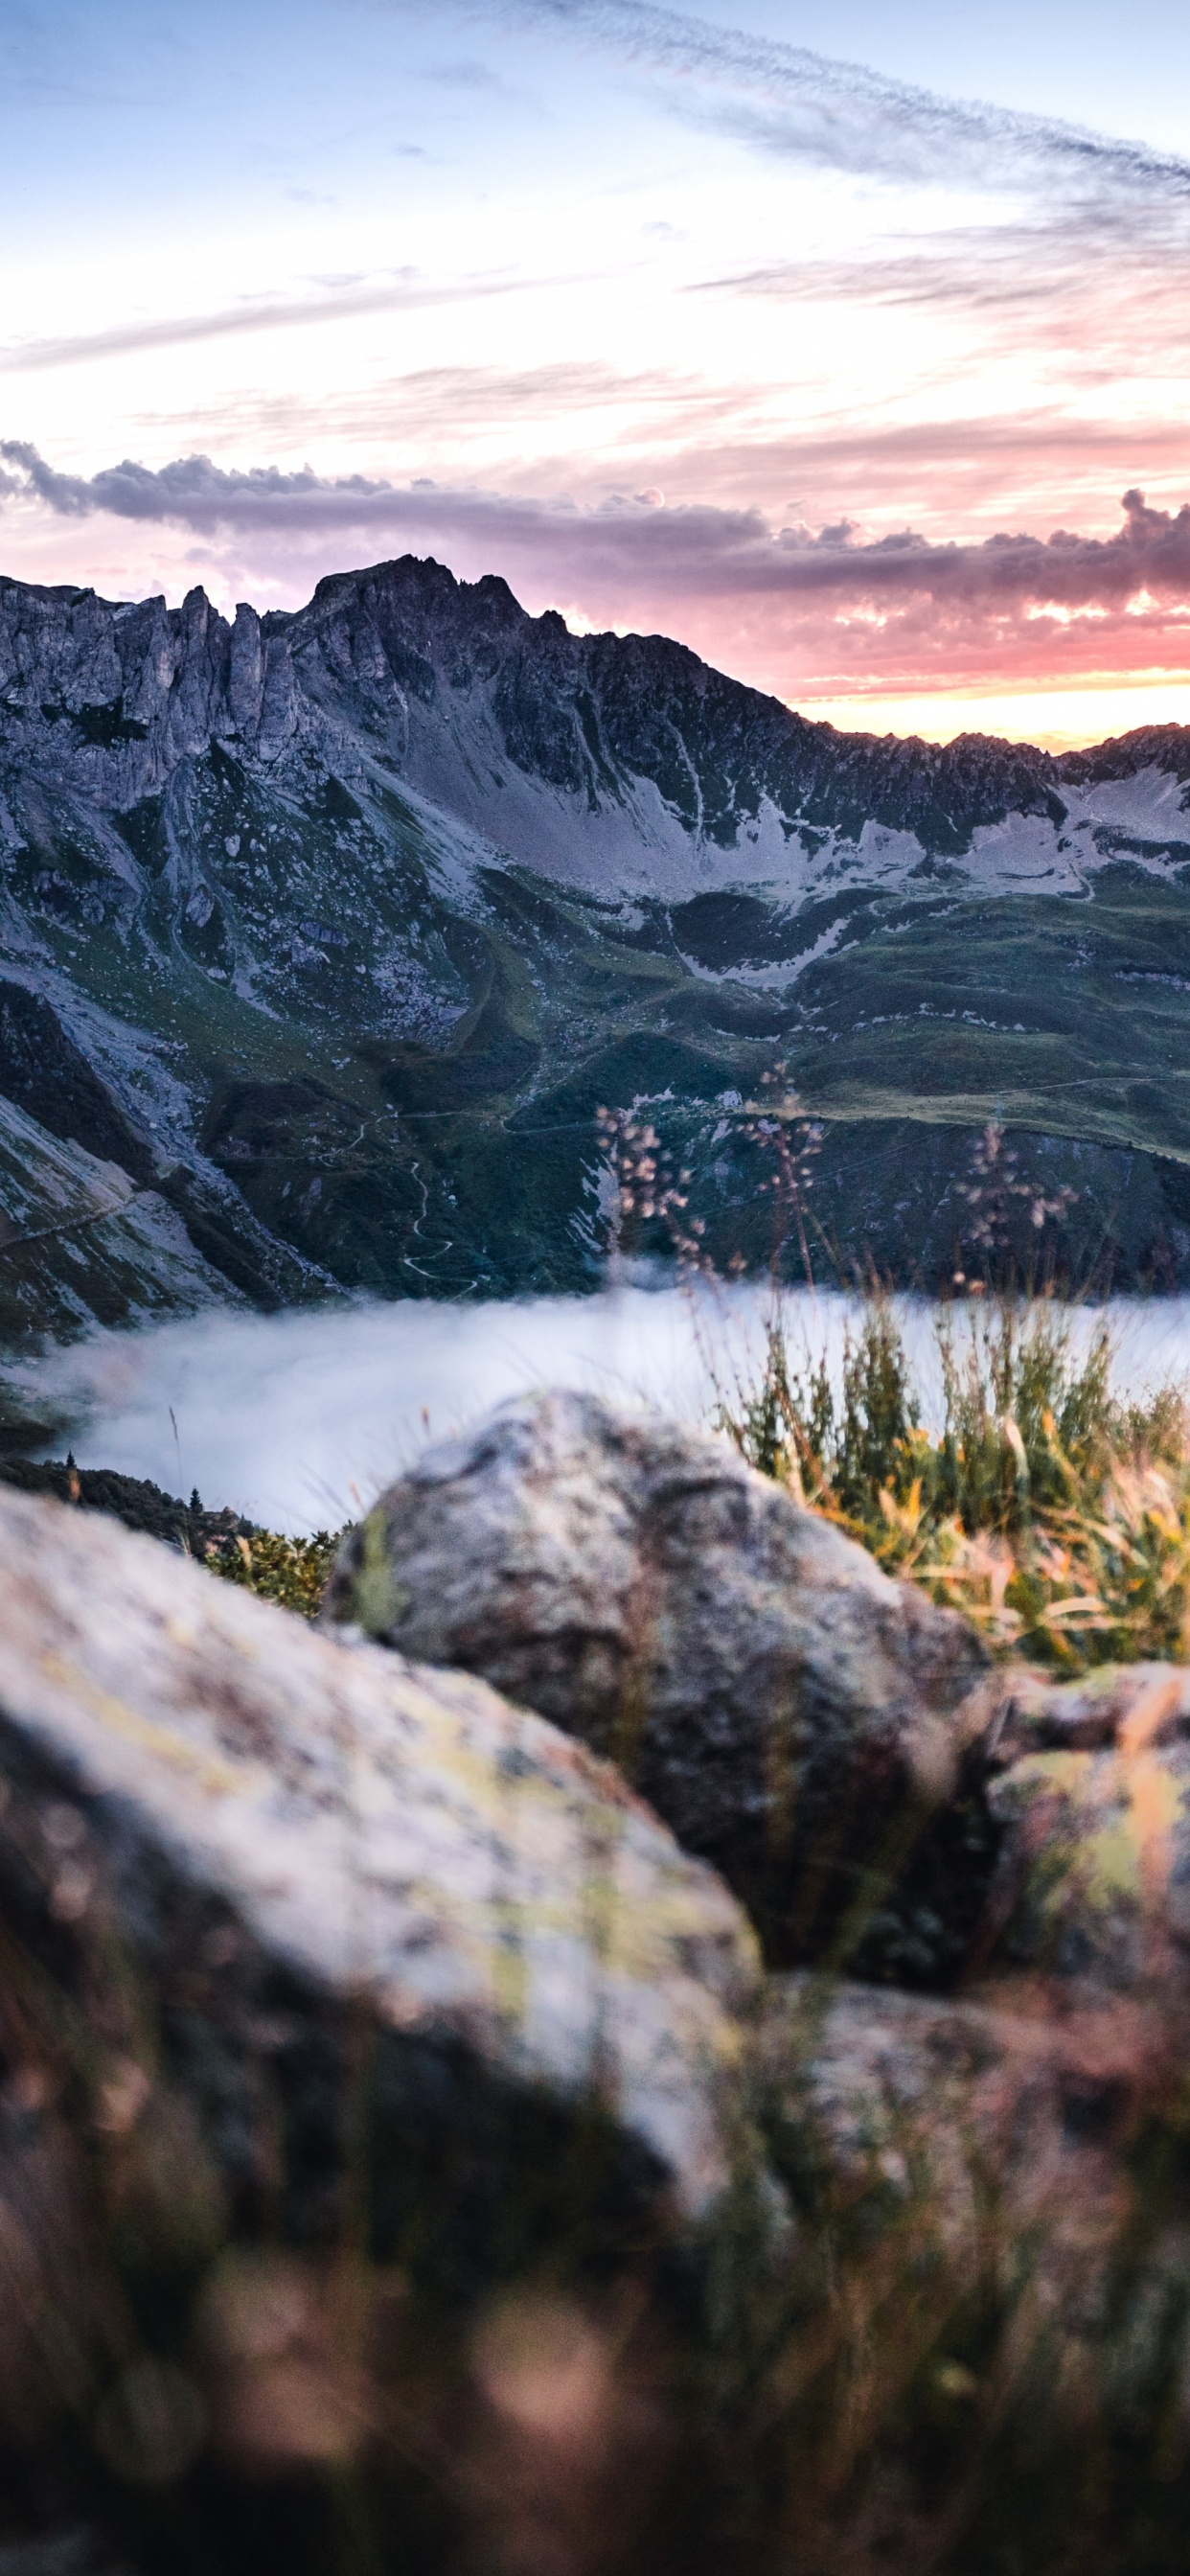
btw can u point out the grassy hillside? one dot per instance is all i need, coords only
(1072, 1017)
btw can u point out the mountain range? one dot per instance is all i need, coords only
(325, 934)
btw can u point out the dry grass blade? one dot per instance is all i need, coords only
(1055, 1517)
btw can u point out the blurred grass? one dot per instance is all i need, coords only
(1052, 1514)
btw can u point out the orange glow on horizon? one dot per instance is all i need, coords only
(1052, 719)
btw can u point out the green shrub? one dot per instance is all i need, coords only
(291, 1571)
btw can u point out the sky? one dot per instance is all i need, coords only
(849, 343)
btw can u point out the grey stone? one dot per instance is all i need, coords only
(348, 2013)
(1089, 1791)
(196, 1776)
(1110, 1701)
(1092, 1884)
(792, 1713)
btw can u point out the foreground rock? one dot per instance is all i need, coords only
(988, 2367)
(792, 1713)
(1090, 1789)
(402, 2165)
(310, 1955)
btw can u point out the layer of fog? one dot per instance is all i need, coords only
(297, 1420)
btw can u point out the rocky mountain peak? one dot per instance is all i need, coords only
(84, 683)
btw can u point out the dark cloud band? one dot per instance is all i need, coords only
(635, 545)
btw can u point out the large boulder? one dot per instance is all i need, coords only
(342, 2002)
(792, 1713)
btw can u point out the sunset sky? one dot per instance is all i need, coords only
(849, 343)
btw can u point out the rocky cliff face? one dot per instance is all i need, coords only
(328, 931)
(404, 665)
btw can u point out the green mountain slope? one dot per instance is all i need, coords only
(330, 932)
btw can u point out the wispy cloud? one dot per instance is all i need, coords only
(1077, 264)
(1083, 294)
(398, 290)
(789, 100)
(1010, 267)
(466, 74)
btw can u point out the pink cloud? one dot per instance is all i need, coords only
(800, 611)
